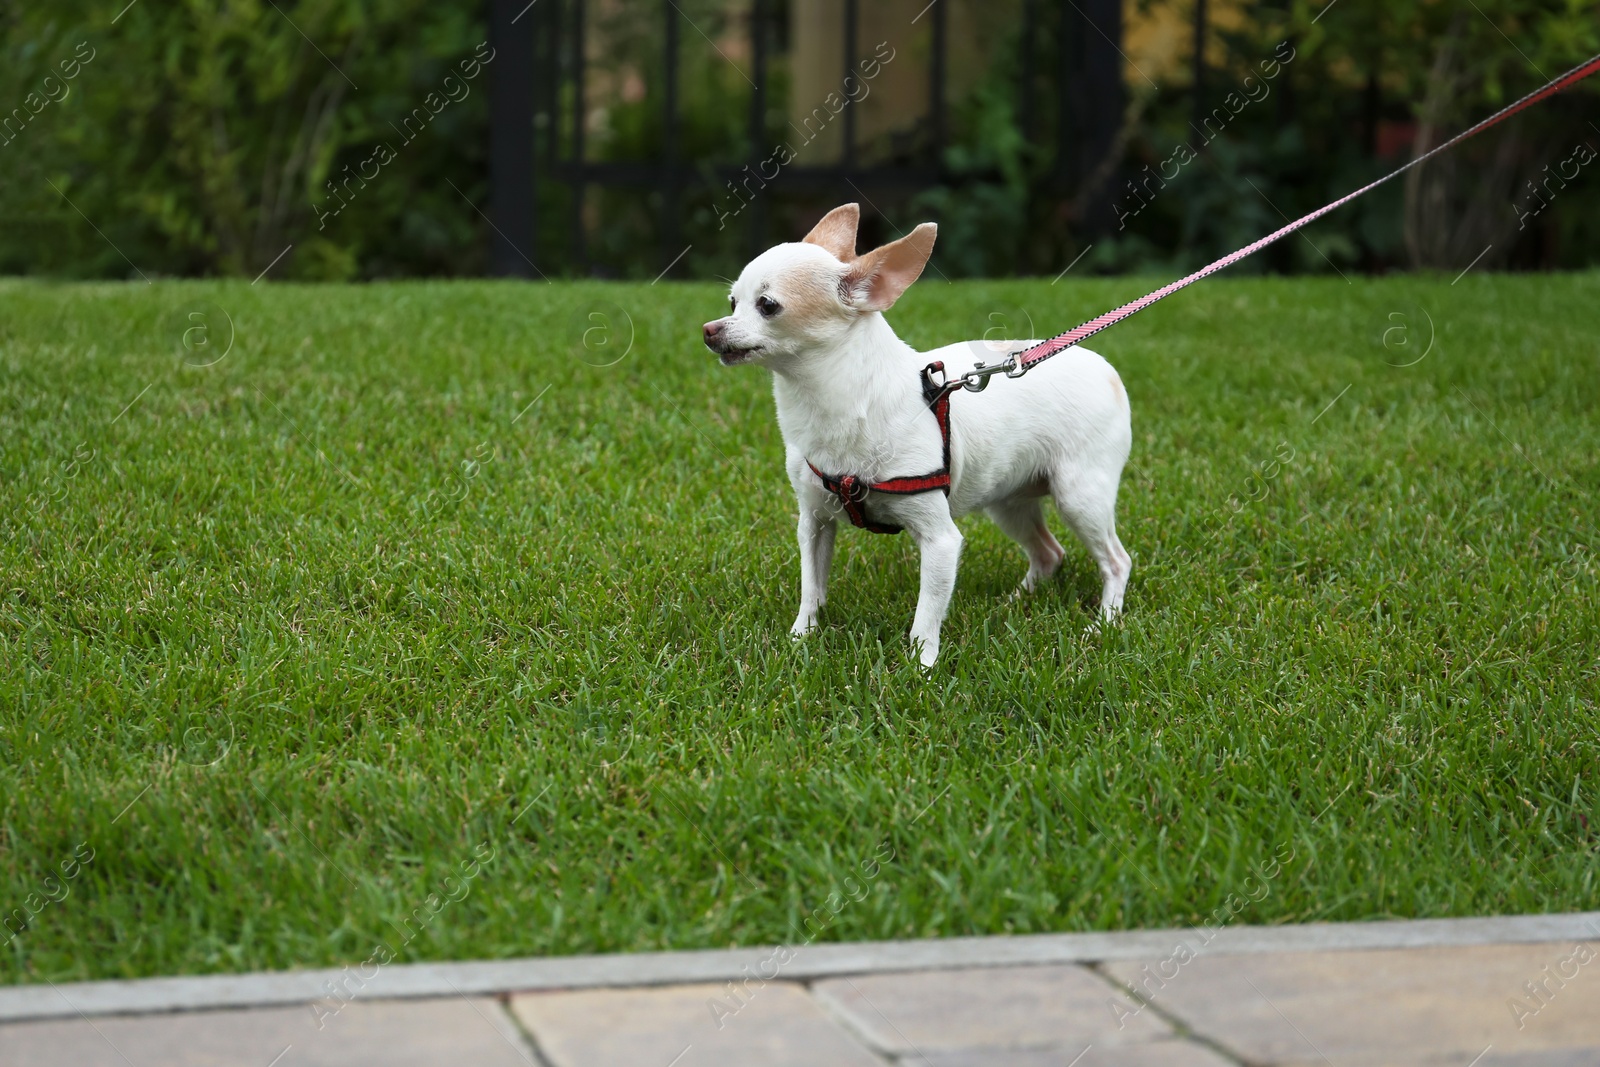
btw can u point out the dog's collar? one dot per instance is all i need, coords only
(852, 491)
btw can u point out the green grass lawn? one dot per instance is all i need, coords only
(407, 626)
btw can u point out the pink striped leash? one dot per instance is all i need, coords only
(1019, 363)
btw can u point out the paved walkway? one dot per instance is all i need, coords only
(1464, 992)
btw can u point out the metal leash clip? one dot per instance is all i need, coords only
(976, 380)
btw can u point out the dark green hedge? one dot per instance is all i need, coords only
(202, 138)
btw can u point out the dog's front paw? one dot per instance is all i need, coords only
(802, 626)
(1101, 624)
(927, 649)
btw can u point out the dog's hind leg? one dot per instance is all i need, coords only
(1022, 519)
(1088, 503)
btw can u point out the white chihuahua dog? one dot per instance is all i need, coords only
(860, 436)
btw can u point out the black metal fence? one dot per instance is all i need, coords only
(1068, 81)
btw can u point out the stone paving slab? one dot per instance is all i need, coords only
(1492, 1005)
(720, 965)
(926, 1013)
(424, 1033)
(1155, 1054)
(1438, 993)
(774, 1024)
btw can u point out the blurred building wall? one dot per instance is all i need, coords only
(897, 99)
(1158, 42)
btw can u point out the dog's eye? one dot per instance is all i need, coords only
(733, 305)
(768, 306)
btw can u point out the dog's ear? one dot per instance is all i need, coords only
(876, 280)
(837, 232)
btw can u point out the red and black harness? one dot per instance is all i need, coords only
(852, 491)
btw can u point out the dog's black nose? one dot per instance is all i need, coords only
(711, 330)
